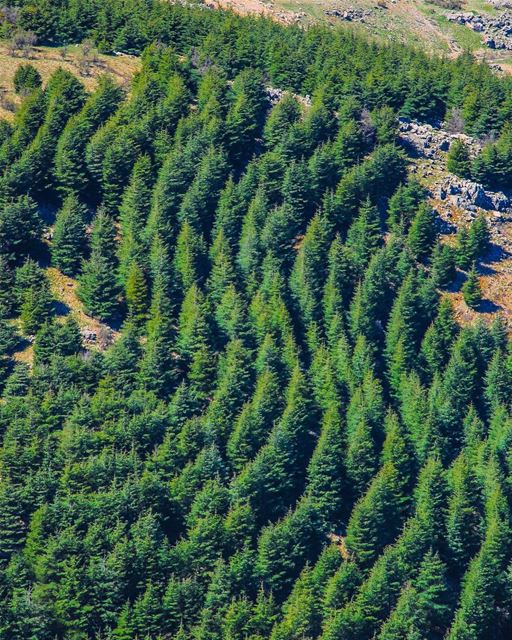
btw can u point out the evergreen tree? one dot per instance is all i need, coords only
(133, 215)
(327, 482)
(423, 608)
(443, 265)
(136, 294)
(471, 291)
(364, 235)
(438, 339)
(463, 519)
(68, 242)
(422, 233)
(26, 78)
(458, 160)
(36, 306)
(98, 289)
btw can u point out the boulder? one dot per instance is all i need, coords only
(89, 335)
(444, 145)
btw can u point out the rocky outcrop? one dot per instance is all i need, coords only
(496, 30)
(426, 141)
(274, 95)
(458, 202)
(352, 14)
(471, 196)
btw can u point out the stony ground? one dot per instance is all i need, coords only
(457, 202)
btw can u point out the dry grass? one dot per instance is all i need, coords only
(47, 60)
(25, 353)
(64, 291)
(495, 270)
(496, 284)
(67, 303)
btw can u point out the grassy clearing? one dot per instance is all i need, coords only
(480, 6)
(466, 38)
(47, 60)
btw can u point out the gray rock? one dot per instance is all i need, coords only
(89, 336)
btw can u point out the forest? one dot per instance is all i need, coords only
(291, 437)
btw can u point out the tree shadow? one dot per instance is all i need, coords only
(22, 343)
(488, 306)
(457, 283)
(485, 270)
(61, 308)
(496, 253)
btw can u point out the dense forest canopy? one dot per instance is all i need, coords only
(291, 437)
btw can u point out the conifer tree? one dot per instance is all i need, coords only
(136, 294)
(189, 258)
(36, 306)
(307, 278)
(438, 339)
(476, 615)
(279, 121)
(471, 291)
(327, 482)
(256, 418)
(423, 608)
(20, 226)
(348, 146)
(70, 158)
(361, 457)
(157, 368)
(364, 235)
(98, 287)
(133, 215)
(245, 115)
(463, 524)
(68, 242)
(479, 237)
(458, 160)
(376, 518)
(403, 205)
(443, 265)
(422, 233)
(404, 325)
(26, 78)
(497, 382)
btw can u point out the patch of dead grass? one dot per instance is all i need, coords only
(64, 291)
(47, 60)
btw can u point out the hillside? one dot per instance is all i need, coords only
(255, 339)
(48, 59)
(438, 27)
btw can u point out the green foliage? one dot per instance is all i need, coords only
(98, 288)
(471, 291)
(285, 433)
(68, 242)
(26, 78)
(20, 227)
(458, 160)
(422, 233)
